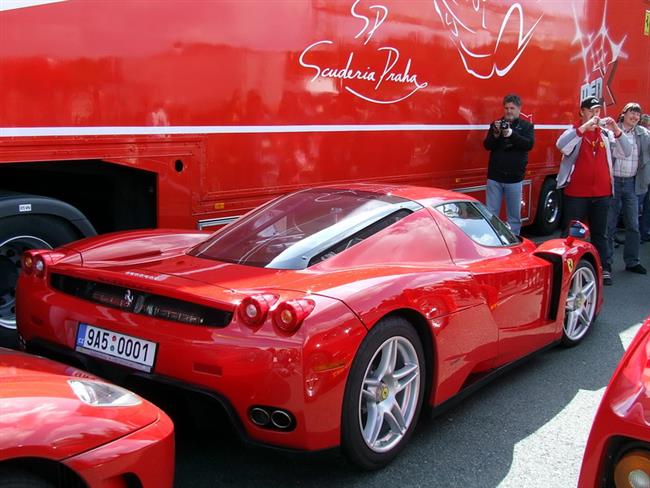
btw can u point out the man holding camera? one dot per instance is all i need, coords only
(586, 173)
(508, 139)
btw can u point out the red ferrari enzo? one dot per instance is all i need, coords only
(326, 317)
(618, 450)
(61, 427)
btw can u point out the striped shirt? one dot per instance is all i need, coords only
(626, 167)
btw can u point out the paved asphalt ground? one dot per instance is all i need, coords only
(526, 429)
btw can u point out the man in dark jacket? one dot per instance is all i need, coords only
(508, 139)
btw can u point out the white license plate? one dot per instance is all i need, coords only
(118, 348)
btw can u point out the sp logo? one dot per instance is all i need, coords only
(569, 264)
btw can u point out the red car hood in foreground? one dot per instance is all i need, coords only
(41, 416)
(618, 450)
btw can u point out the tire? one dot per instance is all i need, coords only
(18, 234)
(549, 209)
(580, 305)
(18, 478)
(393, 401)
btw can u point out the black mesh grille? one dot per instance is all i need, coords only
(140, 302)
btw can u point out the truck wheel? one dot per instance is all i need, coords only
(18, 234)
(549, 209)
(383, 394)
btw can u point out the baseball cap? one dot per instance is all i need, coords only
(590, 102)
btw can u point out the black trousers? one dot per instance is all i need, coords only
(593, 209)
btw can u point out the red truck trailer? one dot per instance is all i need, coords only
(117, 115)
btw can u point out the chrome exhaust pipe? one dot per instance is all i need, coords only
(281, 419)
(259, 416)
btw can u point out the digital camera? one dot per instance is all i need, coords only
(504, 124)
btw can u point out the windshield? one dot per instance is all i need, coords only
(291, 230)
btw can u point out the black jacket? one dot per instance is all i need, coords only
(509, 155)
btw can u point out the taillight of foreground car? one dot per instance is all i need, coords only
(287, 316)
(633, 470)
(35, 262)
(32, 263)
(253, 310)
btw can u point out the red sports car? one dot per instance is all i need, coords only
(618, 450)
(326, 317)
(61, 427)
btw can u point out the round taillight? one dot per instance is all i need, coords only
(289, 315)
(633, 469)
(27, 263)
(39, 267)
(251, 311)
(254, 309)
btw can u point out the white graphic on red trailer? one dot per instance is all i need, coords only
(599, 54)
(392, 67)
(468, 27)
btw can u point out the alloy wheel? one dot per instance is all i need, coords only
(581, 303)
(389, 395)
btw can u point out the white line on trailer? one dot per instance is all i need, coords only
(240, 129)
(16, 4)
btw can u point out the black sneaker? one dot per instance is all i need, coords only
(607, 278)
(637, 268)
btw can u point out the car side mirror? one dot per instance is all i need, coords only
(577, 230)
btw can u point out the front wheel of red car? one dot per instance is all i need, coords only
(13, 478)
(580, 306)
(383, 395)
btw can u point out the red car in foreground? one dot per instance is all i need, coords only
(618, 450)
(61, 427)
(326, 317)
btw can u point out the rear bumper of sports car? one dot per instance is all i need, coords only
(303, 374)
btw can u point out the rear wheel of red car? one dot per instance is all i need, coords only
(383, 395)
(580, 306)
(14, 478)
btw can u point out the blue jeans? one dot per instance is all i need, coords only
(512, 192)
(644, 220)
(624, 198)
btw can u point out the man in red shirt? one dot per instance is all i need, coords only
(586, 173)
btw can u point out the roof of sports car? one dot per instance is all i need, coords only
(424, 195)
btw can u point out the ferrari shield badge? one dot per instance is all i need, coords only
(569, 263)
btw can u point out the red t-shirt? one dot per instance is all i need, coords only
(591, 177)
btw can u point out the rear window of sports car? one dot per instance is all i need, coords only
(304, 228)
